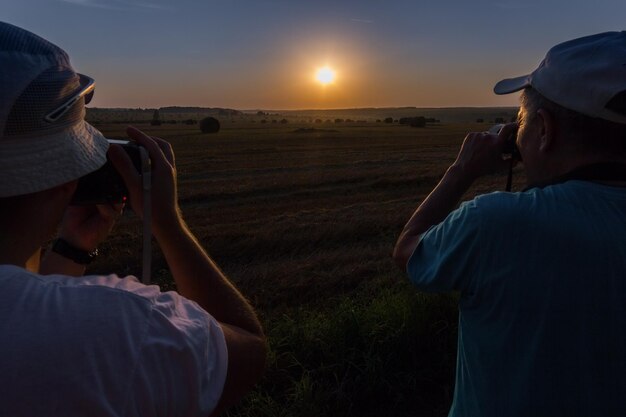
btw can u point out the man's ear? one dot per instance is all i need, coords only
(548, 130)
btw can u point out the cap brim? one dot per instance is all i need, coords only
(511, 85)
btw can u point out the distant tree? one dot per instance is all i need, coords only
(284, 121)
(328, 121)
(349, 121)
(389, 120)
(338, 120)
(378, 121)
(209, 125)
(274, 121)
(260, 113)
(156, 120)
(318, 120)
(418, 121)
(263, 121)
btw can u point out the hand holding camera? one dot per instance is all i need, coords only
(484, 153)
(125, 179)
(510, 137)
(164, 198)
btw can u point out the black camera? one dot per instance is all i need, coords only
(510, 146)
(105, 185)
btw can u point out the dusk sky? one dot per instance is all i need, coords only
(247, 54)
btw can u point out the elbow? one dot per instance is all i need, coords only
(247, 360)
(404, 249)
(399, 257)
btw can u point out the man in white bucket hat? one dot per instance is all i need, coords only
(541, 273)
(76, 345)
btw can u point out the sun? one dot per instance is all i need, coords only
(325, 75)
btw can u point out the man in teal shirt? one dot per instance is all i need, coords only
(541, 273)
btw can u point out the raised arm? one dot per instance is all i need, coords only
(196, 275)
(480, 154)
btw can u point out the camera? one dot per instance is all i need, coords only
(510, 147)
(105, 185)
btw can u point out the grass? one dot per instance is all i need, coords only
(361, 357)
(304, 224)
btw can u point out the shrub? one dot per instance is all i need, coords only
(156, 120)
(209, 125)
(389, 120)
(418, 121)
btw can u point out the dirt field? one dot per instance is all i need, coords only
(304, 223)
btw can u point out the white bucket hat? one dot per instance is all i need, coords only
(587, 75)
(44, 140)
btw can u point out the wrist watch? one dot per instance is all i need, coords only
(67, 250)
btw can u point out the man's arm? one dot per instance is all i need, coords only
(83, 227)
(480, 154)
(434, 209)
(196, 275)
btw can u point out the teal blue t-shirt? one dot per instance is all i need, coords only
(542, 311)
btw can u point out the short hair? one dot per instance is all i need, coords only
(584, 133)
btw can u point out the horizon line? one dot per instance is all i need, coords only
(305, 109)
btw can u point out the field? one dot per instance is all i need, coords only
(304, 221)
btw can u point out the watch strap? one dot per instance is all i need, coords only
(67, 250)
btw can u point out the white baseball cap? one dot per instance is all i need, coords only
(587, 75)
(44, 140)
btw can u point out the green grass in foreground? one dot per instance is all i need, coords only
(391, 355)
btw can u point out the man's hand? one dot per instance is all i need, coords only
(163, 170)
(84, 227)
(481, 153)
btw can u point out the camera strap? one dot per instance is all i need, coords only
(509, 179)
(146, 179)
(602, 171)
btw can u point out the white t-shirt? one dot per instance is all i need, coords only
(104, 346)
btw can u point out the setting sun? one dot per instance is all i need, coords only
(325, 75)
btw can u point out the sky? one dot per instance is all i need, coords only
(263, 54)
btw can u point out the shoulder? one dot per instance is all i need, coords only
(108, 295)
(502, 206)
(159, 350)
(93, 293)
